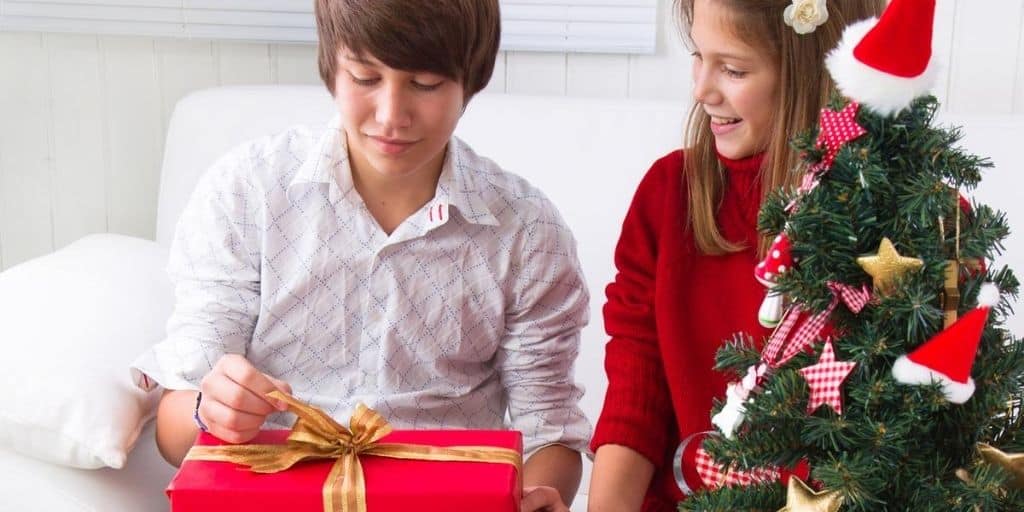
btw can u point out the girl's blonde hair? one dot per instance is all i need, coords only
(804, 88)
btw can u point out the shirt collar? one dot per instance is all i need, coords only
(457, 186)
(328, 153)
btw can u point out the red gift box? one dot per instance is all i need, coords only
(391, 484)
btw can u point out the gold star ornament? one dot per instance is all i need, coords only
(1012, 463)
(887, 265)
(800, 498)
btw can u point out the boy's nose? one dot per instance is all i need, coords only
(393, 108)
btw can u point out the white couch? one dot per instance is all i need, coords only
(587, 155)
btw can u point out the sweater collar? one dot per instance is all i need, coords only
(743, 189)
(750, 164)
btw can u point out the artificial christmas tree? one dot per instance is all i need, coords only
(885, 257)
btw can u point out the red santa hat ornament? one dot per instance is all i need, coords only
(948, 356)
(778, 260)
(884, 63)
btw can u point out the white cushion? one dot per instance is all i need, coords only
(31, 485)
(71, 323)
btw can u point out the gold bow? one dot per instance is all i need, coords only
(316, 436)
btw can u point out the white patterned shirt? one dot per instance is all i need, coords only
(470, 308)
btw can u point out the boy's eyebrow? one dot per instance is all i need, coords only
(356, 58)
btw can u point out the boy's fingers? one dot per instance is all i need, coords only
(218, 387)
(283, 387)
(242, 372)
(232, 436)
(228, 424)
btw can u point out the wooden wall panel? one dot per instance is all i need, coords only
(26, 162)
(79, 131)
(135, 130)
(81, 138)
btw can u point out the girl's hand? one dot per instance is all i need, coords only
(234, 402)
(542, 499)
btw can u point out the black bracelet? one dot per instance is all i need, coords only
(195, 414)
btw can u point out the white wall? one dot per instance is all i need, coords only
(82, 118)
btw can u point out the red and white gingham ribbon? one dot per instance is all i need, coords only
(731, 416)
(855, 299)
(714, 475)
(807, 184)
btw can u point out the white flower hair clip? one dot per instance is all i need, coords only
(806, 15)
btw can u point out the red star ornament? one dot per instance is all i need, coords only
(825, 378)
(837, 128)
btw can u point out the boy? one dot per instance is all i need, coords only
(381, 261)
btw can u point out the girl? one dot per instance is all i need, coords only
(689, 242)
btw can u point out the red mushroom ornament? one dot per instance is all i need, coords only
(778, 260)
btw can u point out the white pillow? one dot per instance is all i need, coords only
(70, 324)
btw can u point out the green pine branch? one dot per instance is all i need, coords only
(895, 447)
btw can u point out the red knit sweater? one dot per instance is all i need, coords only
(668, 311)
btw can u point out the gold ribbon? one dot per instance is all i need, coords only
(316, 436)
(951, 293)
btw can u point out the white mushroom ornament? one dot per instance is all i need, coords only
(778, 260)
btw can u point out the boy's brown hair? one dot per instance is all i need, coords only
(457, 39)
(804, 88)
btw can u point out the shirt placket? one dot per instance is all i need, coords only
(373, 327)
(369, 309)
(383, 283)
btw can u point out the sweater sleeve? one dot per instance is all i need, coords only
(637, 410)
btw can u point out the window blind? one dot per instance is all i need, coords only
(605, 26)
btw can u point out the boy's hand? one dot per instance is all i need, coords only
(234, 402)
(542, 499)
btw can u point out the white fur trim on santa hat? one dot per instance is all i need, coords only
(909, 372)
(877, 90)
(988, 296)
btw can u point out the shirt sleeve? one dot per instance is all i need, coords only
(214, 267)
(637, 411)
(549, 307)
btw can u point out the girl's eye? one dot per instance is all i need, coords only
(363, 81)
(734, 73)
